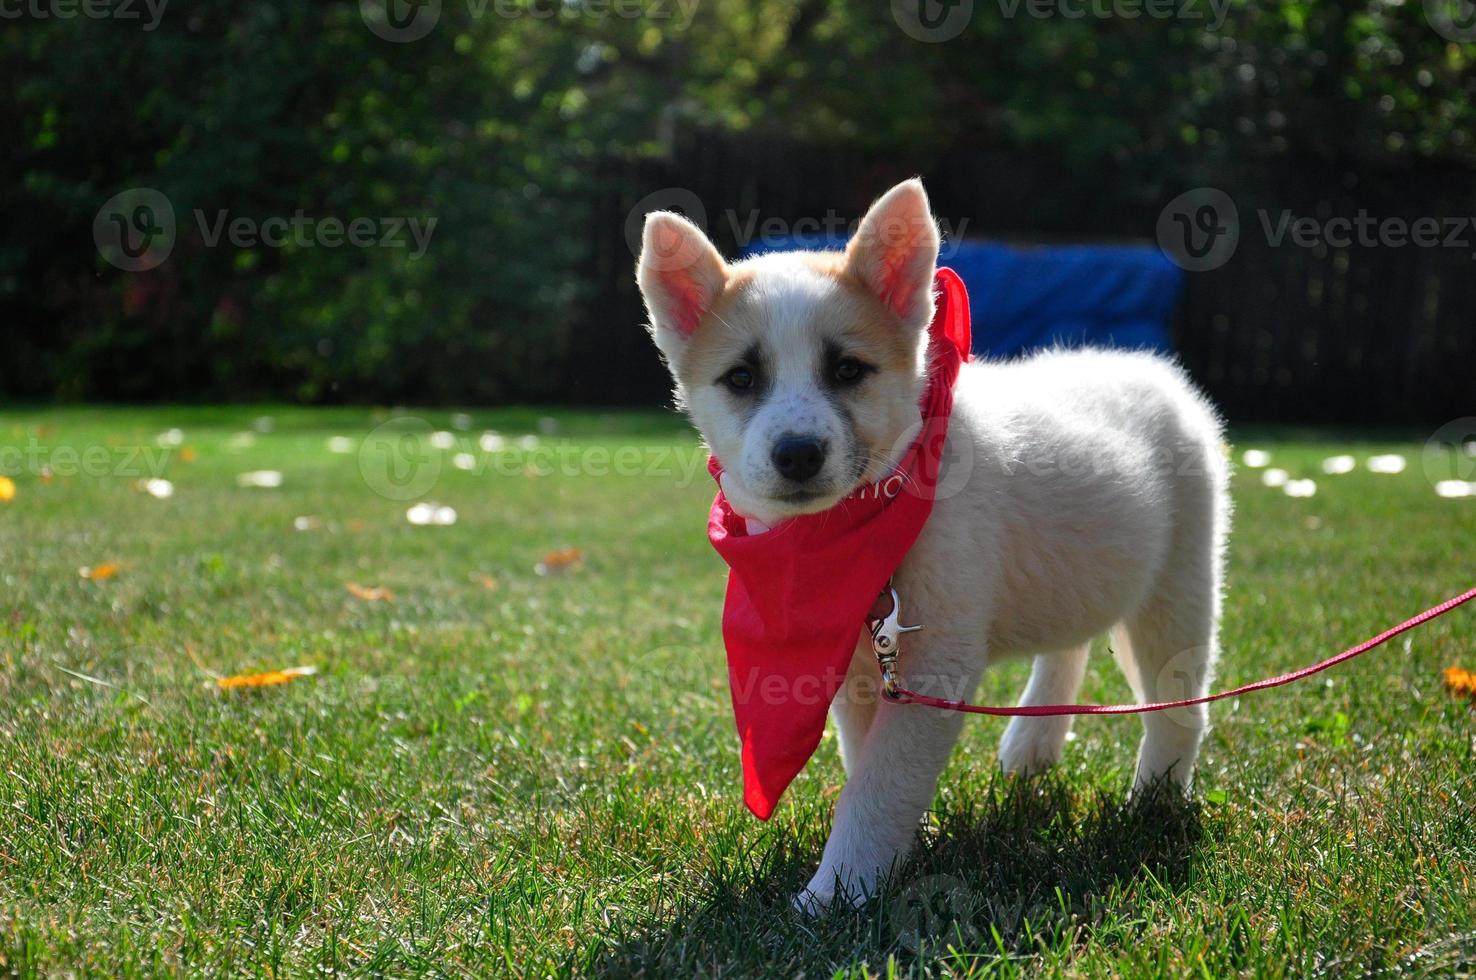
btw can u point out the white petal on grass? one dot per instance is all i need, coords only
(306, 523)
(342, 445)
(527, 442)
(159, 487)
(1300, 488)
(1455, 488)
(171, 437)
(427, 513)
(492, 442)
(461, 421)
(442, 440)
(1337, 465)
(1255, 458)
(1387, 463)
(241, 440)
(269, 479)
(1274, 477)
(464, 461)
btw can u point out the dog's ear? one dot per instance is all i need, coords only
(680, 275)
(895, 251)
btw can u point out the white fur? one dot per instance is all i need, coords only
(1085, 491)
(1096, 499)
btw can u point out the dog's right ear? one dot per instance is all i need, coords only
(680, 275)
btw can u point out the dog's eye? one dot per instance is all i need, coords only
(739, 379)
(848, 370)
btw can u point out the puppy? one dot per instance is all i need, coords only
(1086, 493)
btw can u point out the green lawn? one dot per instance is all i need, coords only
(505, 772)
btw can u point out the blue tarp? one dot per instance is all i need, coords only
(1023, 299)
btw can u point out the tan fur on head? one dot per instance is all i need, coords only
(792, 320)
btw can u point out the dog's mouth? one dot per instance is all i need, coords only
(799, 498)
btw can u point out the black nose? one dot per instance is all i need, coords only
(798, 458)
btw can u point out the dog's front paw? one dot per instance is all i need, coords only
(810, 903)
(1032, 745)
(830, 888)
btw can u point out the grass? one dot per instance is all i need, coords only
(541, 777)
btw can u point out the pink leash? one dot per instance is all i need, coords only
(904, 696)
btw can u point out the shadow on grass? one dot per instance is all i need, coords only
(1024, 868)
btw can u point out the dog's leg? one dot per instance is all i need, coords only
(1167, 650)
(855, 706)
(1031, 745)
(892, 783)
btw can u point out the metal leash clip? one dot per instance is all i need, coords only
(886, 642)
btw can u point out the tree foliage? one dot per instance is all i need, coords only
(502, 123)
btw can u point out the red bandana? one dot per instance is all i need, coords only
(798, 594)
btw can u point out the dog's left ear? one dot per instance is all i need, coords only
(895, 252)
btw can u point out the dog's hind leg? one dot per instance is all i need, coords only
(1167, 650)
(1032, 744)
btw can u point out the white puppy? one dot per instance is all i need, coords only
(1086, 492)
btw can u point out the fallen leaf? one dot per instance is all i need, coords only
(1461, 682)
(488, 582)
(99, 572)
(560, 560)
(267, 679)
(188, 454)
(7, 489)
(370, 593)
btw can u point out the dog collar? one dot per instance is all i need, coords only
(799, 593)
